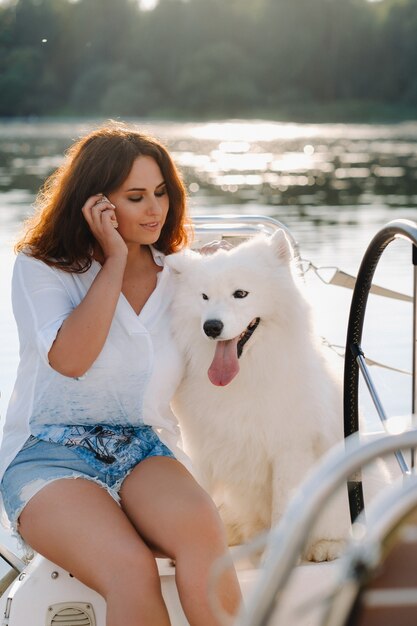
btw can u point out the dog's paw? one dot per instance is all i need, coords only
(325, 550)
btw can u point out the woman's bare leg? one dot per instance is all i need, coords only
(172, 513)
(76, 524)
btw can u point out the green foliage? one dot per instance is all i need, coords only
(206, 57)
(112, 90)
(19, 71)
(217, 79)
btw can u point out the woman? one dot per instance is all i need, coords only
(97, 371)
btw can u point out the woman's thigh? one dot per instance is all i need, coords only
(168, 507)
(76, 524)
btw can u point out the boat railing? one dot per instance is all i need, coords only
(284, 543)
(354, 356)
(387, 524)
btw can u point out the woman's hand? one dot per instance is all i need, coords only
(213, 246)
(100, 216)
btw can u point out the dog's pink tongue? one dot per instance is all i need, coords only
(225, 364)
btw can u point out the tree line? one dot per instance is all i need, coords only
(202, 58)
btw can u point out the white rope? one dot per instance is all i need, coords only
(340, 351)
(339, 278)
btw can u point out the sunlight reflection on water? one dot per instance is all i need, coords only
(269, 131)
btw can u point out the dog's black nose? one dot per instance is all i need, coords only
(213, 328)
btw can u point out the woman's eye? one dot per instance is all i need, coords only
(204, 296)
(136, 199)
(240, 293)
(160, 193)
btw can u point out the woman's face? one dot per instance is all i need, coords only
(141, 203)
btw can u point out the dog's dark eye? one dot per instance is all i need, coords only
(240, 293)
(205, 297)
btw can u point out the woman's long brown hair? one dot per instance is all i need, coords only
(58, 234)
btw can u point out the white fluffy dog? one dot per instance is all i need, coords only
(258, 404)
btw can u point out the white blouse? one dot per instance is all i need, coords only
(132, 380)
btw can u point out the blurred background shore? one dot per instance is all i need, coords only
(298, 60)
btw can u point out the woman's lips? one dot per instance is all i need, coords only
(151, 226)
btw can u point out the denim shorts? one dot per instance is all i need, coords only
(41, 462)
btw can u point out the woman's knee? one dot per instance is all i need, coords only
(130, 567)
(134, 587)
(203, 523)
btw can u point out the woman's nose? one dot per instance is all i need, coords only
(154, 207)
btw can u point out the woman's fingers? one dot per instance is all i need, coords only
(213, 246)
(89, 204)
(98, 211)
(107, 210)
(103, 208)
(101, 218)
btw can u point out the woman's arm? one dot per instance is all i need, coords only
(84, 332)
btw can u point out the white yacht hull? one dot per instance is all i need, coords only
(45, 595)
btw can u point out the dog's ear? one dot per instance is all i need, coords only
(179, 261)
(281, 245)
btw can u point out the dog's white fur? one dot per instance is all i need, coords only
(253, 440)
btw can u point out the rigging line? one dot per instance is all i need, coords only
(360, 359)
(343, 279)
(340, 351)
